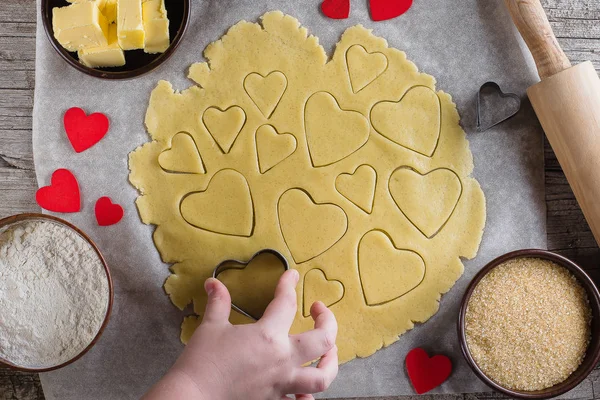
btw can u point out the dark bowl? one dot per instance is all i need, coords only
(16, 219)
(593, 352)
(137, 62)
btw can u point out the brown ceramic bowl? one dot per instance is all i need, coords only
(137, 62)
(16, 219)
(593, 352)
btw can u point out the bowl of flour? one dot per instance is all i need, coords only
(55, 293)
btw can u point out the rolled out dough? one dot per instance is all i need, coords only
(355, 168)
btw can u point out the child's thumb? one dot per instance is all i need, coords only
(218, 306)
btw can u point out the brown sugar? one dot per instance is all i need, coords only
(528, 324)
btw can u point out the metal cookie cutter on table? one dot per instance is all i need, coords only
(237, 264)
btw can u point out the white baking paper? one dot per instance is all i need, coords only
(463, 43)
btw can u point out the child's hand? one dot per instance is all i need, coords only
(260, 361)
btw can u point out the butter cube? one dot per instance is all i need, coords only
(107, 7)
(79, 26)
(100, 3)
(130, 27)
(110, 11)
(156, 26)
(104, 56)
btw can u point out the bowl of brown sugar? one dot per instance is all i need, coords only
(529, 324)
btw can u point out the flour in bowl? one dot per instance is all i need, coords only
(54, 294)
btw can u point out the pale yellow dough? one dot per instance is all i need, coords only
(355, 168)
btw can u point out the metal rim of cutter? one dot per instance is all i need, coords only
(237, 264)
(494, 85)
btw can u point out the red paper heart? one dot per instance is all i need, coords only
(427, 373)
(108, 213)
(336, 9)
(382, 10)
(62, 195)
(84, 131)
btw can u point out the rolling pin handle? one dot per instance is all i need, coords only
(531, 20)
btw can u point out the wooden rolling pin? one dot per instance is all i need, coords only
(567, 103)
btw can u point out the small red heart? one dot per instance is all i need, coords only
(62, 195)
(108, 213)
(382, 10)
(336, 9)
(427, 373)
(84, 131)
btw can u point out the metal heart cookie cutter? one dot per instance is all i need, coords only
(509, 112)
(240, 265)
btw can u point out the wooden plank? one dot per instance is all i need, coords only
(7, 66)
(20, 99)
(19, 29)
(586, 6)
(16, 148)
(18, 190)
(17, 48)
(19, 386)
(15, 121)
(21, 79)
(17, 11)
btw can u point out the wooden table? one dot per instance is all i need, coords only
(576, 23)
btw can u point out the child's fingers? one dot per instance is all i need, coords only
(316, 380)
(281, 312)
(304, 397)
(311, 345)
(218, 306)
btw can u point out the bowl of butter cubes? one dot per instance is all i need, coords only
(115, 39)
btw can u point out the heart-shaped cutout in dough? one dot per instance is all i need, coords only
(318, 288)
(359, 187)
(182, 157)
(225, 206)
(309, 229)
(266, 91)
(224, 125)
(387, 272)
(427, 200)
(364, 67)
(273, 147)
(252, 284)
(331, 132)
(413, 122)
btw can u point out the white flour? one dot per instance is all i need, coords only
(53, 294)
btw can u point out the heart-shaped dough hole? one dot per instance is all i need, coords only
(364, 67)
(225, 206)
(413, 122)
(359, 187)
(427, 200)
(331, 132)
(318, 288)
(224, 125)
(182, 157)
(387, 272)
(309, 229)
(273, 147)
(252, 284)
(266, 91)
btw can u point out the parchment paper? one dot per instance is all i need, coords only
(462, 43)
